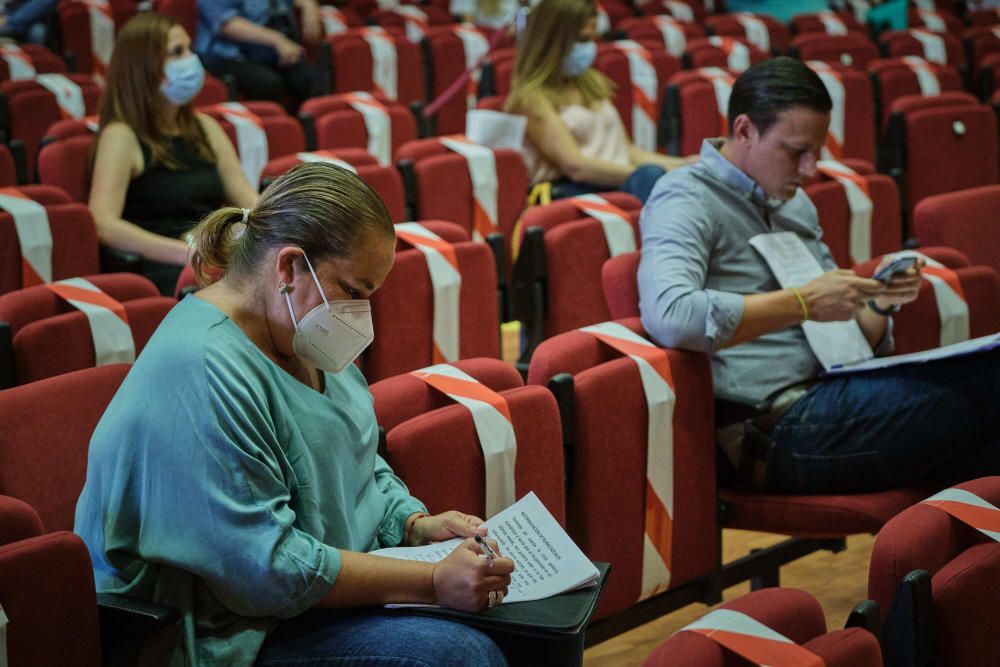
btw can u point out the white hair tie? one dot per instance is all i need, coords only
(246, 215)
(240, 228)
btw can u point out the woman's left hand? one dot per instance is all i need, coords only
(444, 526)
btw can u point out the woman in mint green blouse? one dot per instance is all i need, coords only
(234, 474)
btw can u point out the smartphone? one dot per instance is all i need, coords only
(898, 265)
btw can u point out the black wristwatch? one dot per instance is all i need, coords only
(884, 312)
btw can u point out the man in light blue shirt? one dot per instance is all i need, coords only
(703, 287)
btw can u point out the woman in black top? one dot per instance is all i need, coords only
(159, 166)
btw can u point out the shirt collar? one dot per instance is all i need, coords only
(732, 176)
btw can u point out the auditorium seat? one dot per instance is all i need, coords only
(936, 47)
(742, 24)
(733, 53)
(669, 33)
(966, 220)
(345, 61)
(852, 50)
(692, 111)
(892, 78)
(331, 122)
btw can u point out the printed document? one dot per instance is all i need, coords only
(547, 562)
(964, 348)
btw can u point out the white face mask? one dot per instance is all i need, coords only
(333, 334)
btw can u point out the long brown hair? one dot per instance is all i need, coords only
(133, 96)
(553, 27)
(324, 209)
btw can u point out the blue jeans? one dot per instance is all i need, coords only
(639, 183)
(935, 422)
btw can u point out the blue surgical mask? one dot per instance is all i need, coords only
(183, 80)
(580, 58)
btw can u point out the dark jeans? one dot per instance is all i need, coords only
(375, 637)
(261, 82)
(639, 183)
(934, 422)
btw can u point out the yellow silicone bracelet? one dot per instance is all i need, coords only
(802, 302)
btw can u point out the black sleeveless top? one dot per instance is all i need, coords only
(169, 202)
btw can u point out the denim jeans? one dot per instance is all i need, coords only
(639, 183)
(934, 422)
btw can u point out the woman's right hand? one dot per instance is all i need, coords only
(464, 579)
(289, 52)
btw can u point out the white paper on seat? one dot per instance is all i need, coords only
(251, 140)
(859, 202)
(416, 22)
(968, 508)
(680, 10)
(953, 310)
(495, 129)
(832, 23)
(791, 263)
(737, 53)
(932, 20)
(102, 36)
(482, 166)
(332, 19)
(834, 84)
(474, 46)
(618, 230)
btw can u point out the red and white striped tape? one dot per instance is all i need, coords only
(953, 309)
(482, 165)
(102, 36)
(384, 73)
(474, 46)
(446, 285)
(969, 508)
(722, 83)
(416, 21)
(333, 20)
(31, 224)
(834, 83)
(751, 639)
(494, 426)
(68, 95)
(932, 20)
(859, 202)
(680, 10)
(737, 53)
(616, 223)
(19, 63)
(327, 157)
(645, 83)
(377, 125)
(658, 387)
(251, 140)
(831, 23)
(932, 44)
(109, 327)
(755, 30)
(926, 73)
(674, 37)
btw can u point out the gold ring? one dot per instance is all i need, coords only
(500, 596)
(489, 560)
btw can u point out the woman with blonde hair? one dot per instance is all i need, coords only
(159, 166)
(576, 139)
(235, 477)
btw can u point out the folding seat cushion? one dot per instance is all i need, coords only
(433, 163)
(965, 220)
(74, 246)
(340, 121)
(46, 587)
(347, 59)
(427, 432)
(828, 23)
(574, 248)
(838, 207)
(793, 614)
(852, 49)
(964, 567)
(695, 107)
(671, 34)
(64, 343)
(386, 181)
(22, 61)
(449, 50)
(893, 78)
(608, 438)
(32, 108)
(734, 53)
(763, 31)
(47, 430)
(936, 47)
(941, 144)
(403, 311)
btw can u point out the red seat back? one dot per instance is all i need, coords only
(445, 63)
(284, 133)
(903, 43)
(728, 25)
(338, 125)
(43, 60)
(692, 113)
(184, 12)
(710, 52)
(892, 79)
(811, 23)
(965, 220)
(621, 289)
(65, 163)
(351, 65)
(644, 29)
(852, 50)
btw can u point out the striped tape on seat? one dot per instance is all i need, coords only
(385, 79)
(933, 45)
(722, 84)
(644, 84)
(834, 84)
(755, 30)
(680, 10)
(19, 63)
(859, 202)
(474, 46)
(673, 34)
(953, 309)
(446, 285)
(969, 508)
(109, 326)
(251, 139)
(831, 23)
(494, 427)
(31, 224)
(377, 125)
(603, 20)
(102, 36)
(482, 166)
(752, 640)
(737, 53)
(658, 387)
(333, 20)
(416, 21)
(68, 95)
(926, 73)
(3, 637)
(618, 230)
(932, 20)
(327, 157)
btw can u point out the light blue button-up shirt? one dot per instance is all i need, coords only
(697, 264)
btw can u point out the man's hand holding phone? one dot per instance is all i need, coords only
(901, 277)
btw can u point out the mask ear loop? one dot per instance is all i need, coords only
(316, 279)
(295, 322)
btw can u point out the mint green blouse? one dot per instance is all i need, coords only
(219, 484)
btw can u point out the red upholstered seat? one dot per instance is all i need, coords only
(75, 34)
(644, 29)
(403, 309)
(42, 59)
(919, 19)
(385, 181)
(64, 163)
(903, 43)
(74, 245)
(660, 8)
(859, 117)
(982, 17)
(8, 170)
(427, 432)
(964, 566)
(184, 12)
(606, 496)
(32, 108)
(891, 79)
(965, 220)
(18, 520)
(284, 133)
(47, 430)
(988, 76)
(613, 63)
(811, 23)
(705, 53)
(63, 343)
(347, 60)
(214, 91)
(852, 50)
(335, 124)
(691, 113)
(498, 72)
(434, 164)
(729, 26)
(790, 612)
(445, 63)
(618, 282)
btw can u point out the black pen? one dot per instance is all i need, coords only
(486, 547)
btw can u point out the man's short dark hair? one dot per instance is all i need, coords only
(772, 86)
